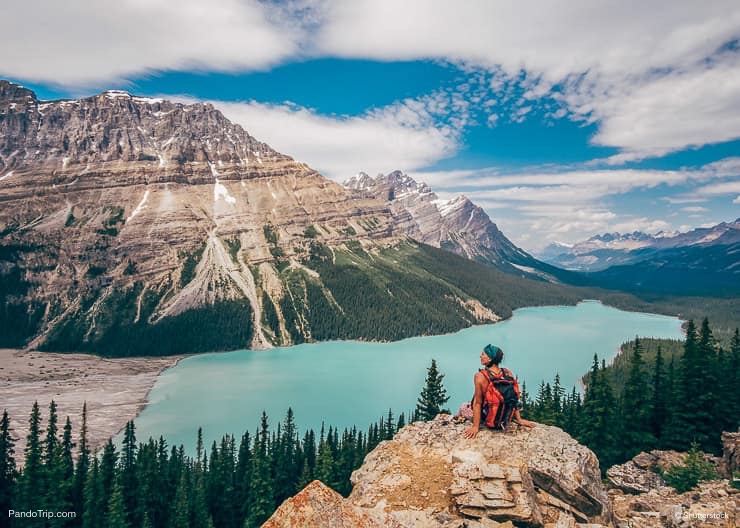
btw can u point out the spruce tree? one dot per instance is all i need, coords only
(261, 498)
(401, 422)
(180, 514)
(128, 474)
(680, 428)
(83, 464)
(8, 472)
(94, 501)
(597, 428)
(285, 457)
(433, 396)
(636, 429)
(660, 394)
(116, 514)
(707, 402)
(31, 481)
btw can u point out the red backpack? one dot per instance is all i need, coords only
(500, 399)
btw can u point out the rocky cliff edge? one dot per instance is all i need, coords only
(430, 476)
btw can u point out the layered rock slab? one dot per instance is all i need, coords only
(429, 475)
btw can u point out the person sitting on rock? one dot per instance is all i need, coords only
(496, 405)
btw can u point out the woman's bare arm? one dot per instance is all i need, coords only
(479, 381)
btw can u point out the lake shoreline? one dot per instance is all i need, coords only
(115, 390)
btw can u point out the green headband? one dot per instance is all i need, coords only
(491, 351)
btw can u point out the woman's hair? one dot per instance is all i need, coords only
(495, 353)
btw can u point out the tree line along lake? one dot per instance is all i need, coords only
(352, 383)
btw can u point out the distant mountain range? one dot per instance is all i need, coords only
(704, 261)
(612, 249)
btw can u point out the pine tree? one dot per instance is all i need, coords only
(116, 515)
(8, 472)
(261, 498)
(83, 464)
(597, 429)
(660, 393)
(94, 512)
(31, 481)
(680, 428)
(433, 396)
(389, 430)
(180, 515)
(128, 474)
(707, 404)
(401, 422)
(636, 429)
(286, 470)
(243, 474)
(557, 399)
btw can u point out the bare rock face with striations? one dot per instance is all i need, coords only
(456, 225)
(164, 207)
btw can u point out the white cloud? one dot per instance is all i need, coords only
(399, 136)
(736, 200)
(643, 77)
(81, 42)
(715, 189)
(600, 183)
(686, 108)
(554, 40)
(695, 209)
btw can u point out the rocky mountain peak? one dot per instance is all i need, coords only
(430, 476)
(115, 126)
(455, 224)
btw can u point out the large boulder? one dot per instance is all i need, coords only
(318, 506)
(430, 476)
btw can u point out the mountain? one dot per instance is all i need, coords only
(132, 225)
(610, 249)
(456, 225)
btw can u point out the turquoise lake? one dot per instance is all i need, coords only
(345, 383)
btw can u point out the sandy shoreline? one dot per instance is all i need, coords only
(115, 390)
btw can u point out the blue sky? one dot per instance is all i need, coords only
(580, 118)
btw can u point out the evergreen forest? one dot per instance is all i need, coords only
(665, 395)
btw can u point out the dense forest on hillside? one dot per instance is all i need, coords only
(658, 395)
(238, 483)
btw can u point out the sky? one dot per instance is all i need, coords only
(561, 119)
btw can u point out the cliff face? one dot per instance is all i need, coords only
(104, 194)
(429, 476)
(456, 225)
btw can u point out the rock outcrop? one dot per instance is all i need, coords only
(430, 476)
(713, 504)
(318, 506)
